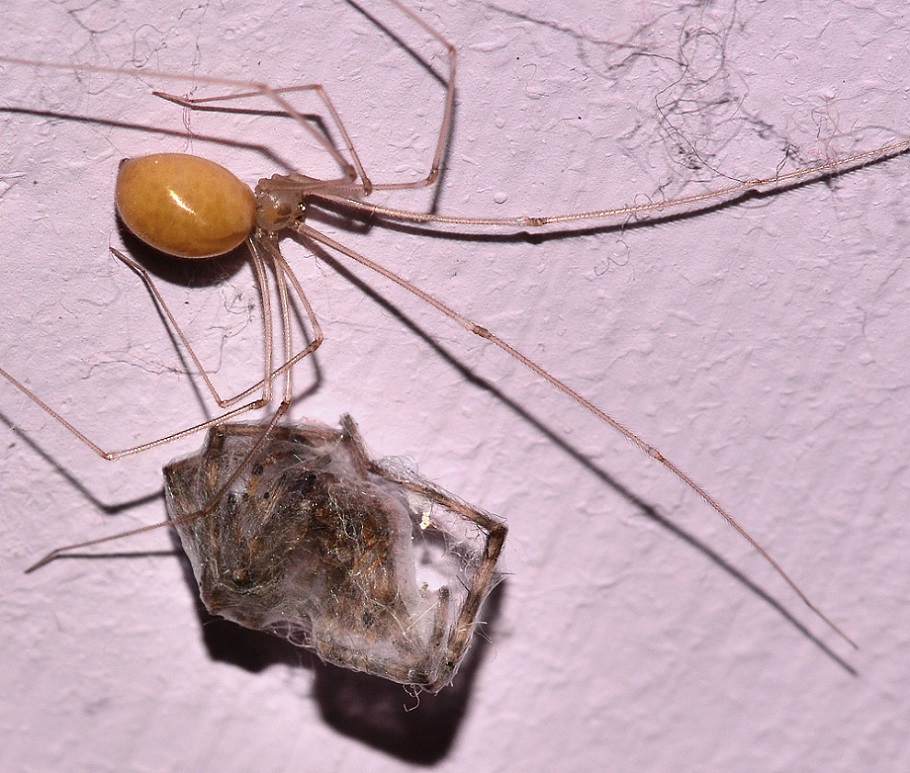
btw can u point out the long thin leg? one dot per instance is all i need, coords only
(351, 169)
(650, 450)
(177, 329)
(260, 402)
(445, 125)
(201, 513)
(714, 197)
(283, 273)
(276, 94)
(284, 276)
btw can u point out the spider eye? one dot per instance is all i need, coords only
(184, 205)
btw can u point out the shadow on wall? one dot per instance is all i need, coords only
(375, 711)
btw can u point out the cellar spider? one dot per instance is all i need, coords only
(351, 193)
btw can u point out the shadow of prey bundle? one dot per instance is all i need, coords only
(368, 565)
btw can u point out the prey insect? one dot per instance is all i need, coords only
(365, 563)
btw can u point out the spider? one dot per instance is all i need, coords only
(281, 203)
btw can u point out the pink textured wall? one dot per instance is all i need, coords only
(761, 346)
